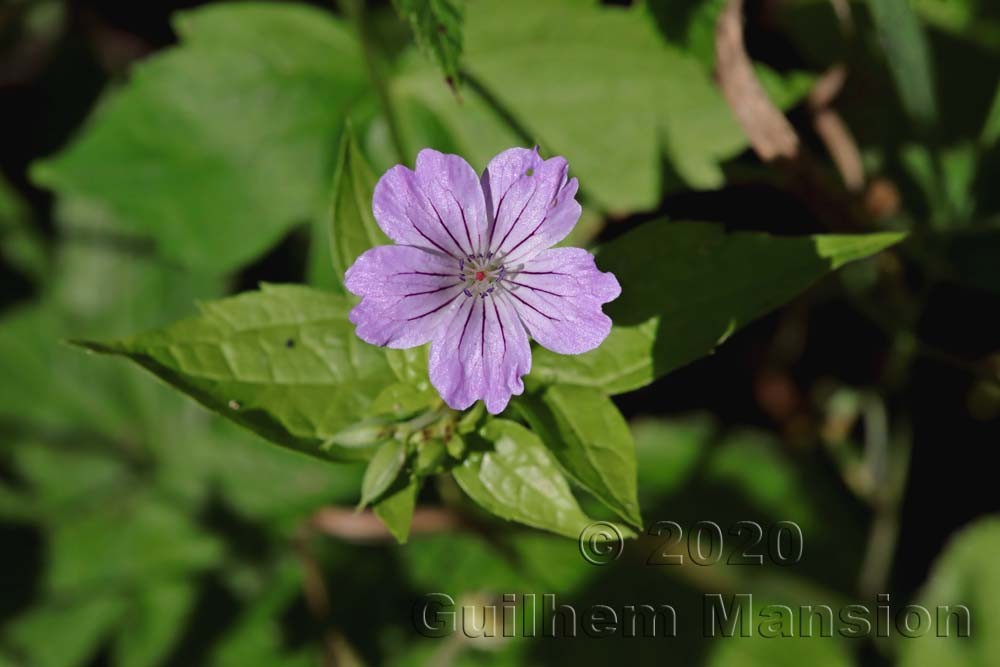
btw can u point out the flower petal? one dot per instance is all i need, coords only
(558, 296)
(530, 202)
(438, 206)
(480, 354)
(407, 292)
(454, 192)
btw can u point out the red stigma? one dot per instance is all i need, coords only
(480, 275)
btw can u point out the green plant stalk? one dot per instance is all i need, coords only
(354, 10)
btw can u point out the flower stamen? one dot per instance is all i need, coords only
(482, 273)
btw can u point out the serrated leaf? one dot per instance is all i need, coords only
(351, 227)
(382, 471)
(396, 510)
(589, 437)
(520, 481)
(686, 287)
(283, 362)
(216, 147)
(690, 24)
(437, 26)
(557, 84)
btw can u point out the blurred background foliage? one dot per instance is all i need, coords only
(160, 153)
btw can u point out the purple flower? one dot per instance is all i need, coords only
(473, 272)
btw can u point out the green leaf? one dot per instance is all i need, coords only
(686, 287)
(520, 481)
(668, 452)
(396, 510)
(283, 362)
(908, 53)
(268, 484)
(382, 471)
(60, 633)
(431, 456)
(437, 26)
(558, 83)
(694, 470)
(754, 463)
(785, 90)
(946, 177)
(690, 25)
(20, 243)
(154, 622)
(523, 563)
(216, 147)
(410, 366)
(964, 575)
(352, 228)
(991, 127)
(766, 651)
(138, 538)
(623, 362)
(65, 480)
(590, 439)
(257, 636)
(365, 433)
(968, 19)
(430, 115)
(403, 399)
(95, 289)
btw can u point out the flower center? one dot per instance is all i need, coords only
(481, 273)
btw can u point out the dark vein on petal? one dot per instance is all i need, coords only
(503, 334)
(517, 220)
(545, 218)
(538, 289)
(417, 317)
(465, 326)
(519, 243)
(482, 336)
(427, 238)
(428, 273)
(458, 245)
(554, 319)
(465, 222)
(432, 291)
(496, 216)
(496, 213)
